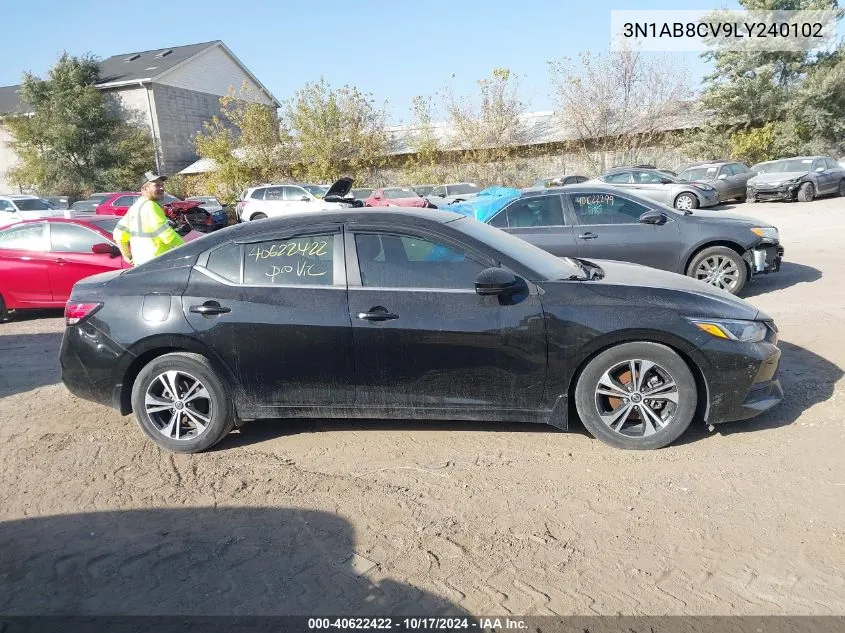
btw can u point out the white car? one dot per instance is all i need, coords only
(15, 208)
(442, 195)
(268, 201)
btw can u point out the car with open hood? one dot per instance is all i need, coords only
(412, 314)
(592, 220)
(273, 200)
(800, 178)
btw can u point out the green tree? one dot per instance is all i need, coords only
(244, 144)
(77, 139)
(425, 163)
(772, 103)
(332, 131)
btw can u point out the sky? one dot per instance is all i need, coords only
(393, 50)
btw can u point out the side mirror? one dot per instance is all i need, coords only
(722, 176)
(652, 217)
(665, 181)
(496, 281)
(105, 249)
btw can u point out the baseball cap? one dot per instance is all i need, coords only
(151, 176)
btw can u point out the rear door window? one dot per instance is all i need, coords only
(622, 177)
(30, 237)
(531, 212)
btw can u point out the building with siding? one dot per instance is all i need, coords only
(170, 91)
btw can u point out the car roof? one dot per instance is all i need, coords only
(704, 163)
(20, 196)
(581, 186)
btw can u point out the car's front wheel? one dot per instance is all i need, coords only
(720, 266)
(181, 403)
(636, 396)
(807, 192)
(686, 202)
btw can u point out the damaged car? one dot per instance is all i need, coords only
(591, 220)
(801, 178)
(420, 314)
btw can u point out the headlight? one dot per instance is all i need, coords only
(702, 186)
(734, 330)
(769, 232)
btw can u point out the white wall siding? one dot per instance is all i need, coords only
(134, 102)
(212, 72)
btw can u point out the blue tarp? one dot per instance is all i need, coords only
(486, 204)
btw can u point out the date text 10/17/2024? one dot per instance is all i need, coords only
(418, 624)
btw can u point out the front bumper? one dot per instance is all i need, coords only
(708, 198)
(764, 258)
(742, 378)
(769, 192)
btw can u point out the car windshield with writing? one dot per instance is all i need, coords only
(794, 164)
(698, 173)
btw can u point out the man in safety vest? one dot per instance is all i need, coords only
(144, 233)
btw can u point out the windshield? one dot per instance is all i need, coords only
(699, 173)
(783, 166)
(400, 193)
(458, 190)
(543, 263)
(168, 199)
(32, 204)
(423, 191)
(362, 194)
(315, 190)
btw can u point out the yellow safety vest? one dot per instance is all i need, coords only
(146, 229)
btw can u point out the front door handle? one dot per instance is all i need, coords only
(209, 308)
(587, 236)
(377, 314)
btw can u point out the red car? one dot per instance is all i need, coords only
(395, 197)
(119, 203)
(40, 260)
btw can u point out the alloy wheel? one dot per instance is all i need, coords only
(637, 398)
(178, 405)
(719, 271)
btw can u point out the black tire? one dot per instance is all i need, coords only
(842, 188)
(691, 197)
(735, 275)
(220, 412)
(807, 192)
(258, 216)
(592, 405)
(3, 311)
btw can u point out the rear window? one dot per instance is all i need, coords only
(32, 204)
(258, 194)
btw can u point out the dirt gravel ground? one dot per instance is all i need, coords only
(406, 517)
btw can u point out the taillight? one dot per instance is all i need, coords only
(76, 312)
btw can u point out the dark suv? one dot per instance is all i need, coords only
(600, 222)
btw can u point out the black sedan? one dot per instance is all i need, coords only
(405, 313)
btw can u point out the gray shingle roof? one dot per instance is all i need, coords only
(120, 69)
(10, 101)
(147, 64)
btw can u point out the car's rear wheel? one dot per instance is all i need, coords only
(636, 396)
(181, 403)
(686, 202)
(807, 192)
(720, 266)
(258, 216)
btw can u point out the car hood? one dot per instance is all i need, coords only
(721, 216)
(340, 188)
(622, 279)
(776, 177)
(36, 215)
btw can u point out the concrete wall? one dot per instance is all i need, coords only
(180, 115)
(213, 72)
(7, 160)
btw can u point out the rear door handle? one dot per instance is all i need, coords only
(587, 236)
(377, 314)
(209, 308)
